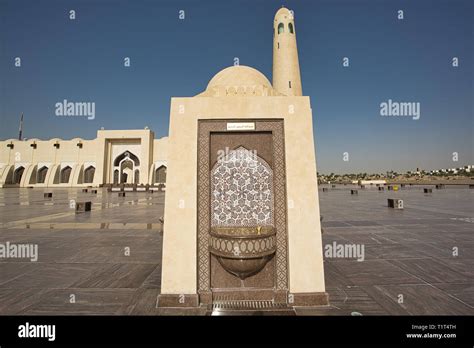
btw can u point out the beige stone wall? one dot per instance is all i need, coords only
(179, 244)
(93, 152)
(46, 154)
(160, 149)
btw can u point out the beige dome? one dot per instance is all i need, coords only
(238, 76)
(239, 81)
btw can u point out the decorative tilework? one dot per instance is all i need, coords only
(241, 190)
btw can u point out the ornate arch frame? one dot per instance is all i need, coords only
(205, 128)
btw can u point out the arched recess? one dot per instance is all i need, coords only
(160, 175)
(17, 175)
(116, 176)
(290, 28)
(65, 175)
(126, 172)
(41, 175)
(89, 175)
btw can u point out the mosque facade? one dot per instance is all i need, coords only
(114, 157)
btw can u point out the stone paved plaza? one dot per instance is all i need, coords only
(408, 268)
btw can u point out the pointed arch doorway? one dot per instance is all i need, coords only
(126, 169)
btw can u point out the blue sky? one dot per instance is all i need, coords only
(405, 60)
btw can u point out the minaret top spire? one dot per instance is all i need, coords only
(286, 68)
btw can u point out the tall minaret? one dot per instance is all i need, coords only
(286, 68)
(20, 130)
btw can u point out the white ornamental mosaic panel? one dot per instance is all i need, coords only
(241, 190)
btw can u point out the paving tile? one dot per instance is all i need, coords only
(86, 302)
(143, 302)
(407, 252)
(333, 277)
(392, 252)
(431, 270)
(153, 281)
(50, 276)
(346, 300)
(374, 272)
(10, 270)
(417, 300)
(15, 301)
(117, 276)
(464, 292)
(462, 266)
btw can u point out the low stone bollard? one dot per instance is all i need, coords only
(82, 207)
(48, 195)
(121, 194)
(427, 190)
(354, 192)
(395, 203)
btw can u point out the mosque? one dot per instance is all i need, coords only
(134, 156)
(241, 205)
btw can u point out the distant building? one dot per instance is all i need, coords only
(113, 157)
(369, 182)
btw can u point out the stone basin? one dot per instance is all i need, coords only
(243, 251)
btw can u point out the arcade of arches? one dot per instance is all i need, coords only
(131, 157)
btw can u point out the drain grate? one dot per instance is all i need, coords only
(247, 305)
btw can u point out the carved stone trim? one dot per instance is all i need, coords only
(242, 248)
(205, 127)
